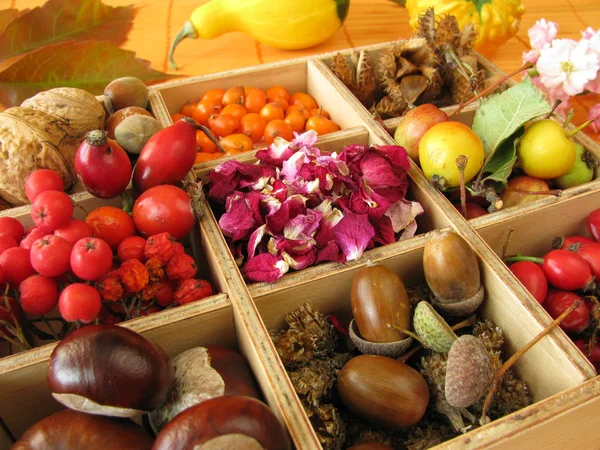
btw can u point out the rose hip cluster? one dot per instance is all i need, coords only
(569, 272)
(89, 273)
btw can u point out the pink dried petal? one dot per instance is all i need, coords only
(351, 153)
(295, 247)
(255, 239)
(384, 232)
(278, 152)
(303, 224)
(396, 154)
(331, 217)
(377, 172)
(402, 213)
(230, 175)
(352, 234)
(237, 221)
(292, 166)
(298, 262)
(370, 203)
(409, 231)
(253, 199)
(331, 252)
(278, 190)
(308, 138)
(265, 267)
(289, 209)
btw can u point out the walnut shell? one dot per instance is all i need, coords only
(32, 139)
(77, 107)
(469, 371)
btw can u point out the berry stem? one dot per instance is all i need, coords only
(524, 258)
(461, 164)
(579, 128)
(514, 358)
(49, 326)
(211, 136)
(554, 106)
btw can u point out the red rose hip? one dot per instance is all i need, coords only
(91, 258)
(79, 301)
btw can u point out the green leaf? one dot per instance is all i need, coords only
(88, 65)
(501, 165)
(6, 17)
(65, 20)
(501, 115)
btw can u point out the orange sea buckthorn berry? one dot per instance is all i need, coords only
(202, 157)
(234, 95)
(281, 102)
(188, 109)
(215, 95)
(253, 126)
(271, 112)
(296, 120)
(278, 91)
(236, 143)
(278, 128)
(255, 100)
(300, 108)
(175, 117)
(302, 98)
(321, 125)
(235, 110)
(204, 143)
(222, 124)
(319, 112)
(204, 110)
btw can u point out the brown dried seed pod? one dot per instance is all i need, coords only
(343, 70)
(468, 372)
(447, 32)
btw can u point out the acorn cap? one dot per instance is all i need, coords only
(469, 371)
(432, 329)
(460, 309)
(389, 349)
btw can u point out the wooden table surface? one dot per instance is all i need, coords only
(369, 22)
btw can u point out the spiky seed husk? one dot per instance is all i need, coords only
(389, 107)
(310, 335)
(468, 372)
(343, 70)
(467, 38)
(328, 426)
(447, 32)
(426, 26)
(314, 382)
(366, 83)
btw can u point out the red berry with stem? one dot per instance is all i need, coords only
(42, 180)
(593, 224)
(79, 301)
(16, 265)
(39, 294)
(12, 227)
(564, 269)
(50, 256)
(91, 259)
(532, 277)
(33, 234)
(6, 242)
(565, 242)
(76, 229)
(591, 254)
(52, 210)
(558, 301)
(132, 248)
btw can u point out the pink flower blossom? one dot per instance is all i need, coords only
(541, 36)
(567, 64)
(594, 115)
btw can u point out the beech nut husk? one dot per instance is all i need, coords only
(202, 373)
(223, 423)
(383, 391)
(432, 329)
(109, 370)
(452, 273)
(74, 430)
(379, 300)
(390, 349)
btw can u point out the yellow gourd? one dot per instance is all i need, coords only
(496, 20)
(285, 24)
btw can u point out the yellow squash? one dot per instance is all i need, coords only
(285, 24)
(496, 20)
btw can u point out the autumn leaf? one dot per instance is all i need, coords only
(7, 16)
(89, 65)
(65, 20)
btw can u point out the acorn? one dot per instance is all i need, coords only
(469, 371)
(452, 273)
(433, 331)
(381, 309)
(383, 391)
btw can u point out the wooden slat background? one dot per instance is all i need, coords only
(368, 22)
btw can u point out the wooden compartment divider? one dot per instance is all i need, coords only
(241, 315)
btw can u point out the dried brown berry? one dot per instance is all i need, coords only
(468, 372)
(161, 246)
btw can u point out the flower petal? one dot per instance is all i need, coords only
(352, 234)
(237, 221)
(402, 213)
(265, 267)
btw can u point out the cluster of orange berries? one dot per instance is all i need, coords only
(241, 117)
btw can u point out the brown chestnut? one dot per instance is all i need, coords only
(379, 299)
(74, 430)
(452, 273)
(109, 370)
(383, 391)
(228, 422)
(202, 373)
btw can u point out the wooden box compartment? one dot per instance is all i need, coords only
(467, 116)
(330, 293)
(300, 75)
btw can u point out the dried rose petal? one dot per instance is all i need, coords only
(331, 252)
(402, 213)
(366, 201)
(255, 239)
(265, 267)
(384, 232)
(292, 166)
(279, 151)
(352, 234)
(299, 262)
(305, 224)
(237, 222)
(289, 209)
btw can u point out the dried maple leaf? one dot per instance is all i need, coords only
(65, 20)
(89, 65)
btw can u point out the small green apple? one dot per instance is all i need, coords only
(582, 170)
